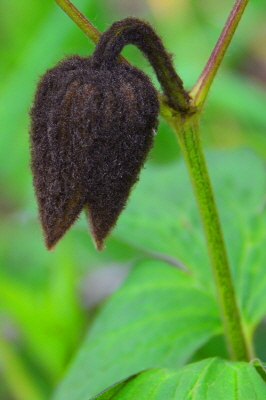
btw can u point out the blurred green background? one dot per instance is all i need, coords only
(48, 299)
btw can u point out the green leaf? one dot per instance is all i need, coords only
(111, 391)
(159, 317)
(162, 217)
(206, 380)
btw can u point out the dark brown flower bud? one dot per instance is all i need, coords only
(92, 127)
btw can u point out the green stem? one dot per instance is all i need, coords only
(82, 22)
(201, 88)
(86, 26)
(188, 134)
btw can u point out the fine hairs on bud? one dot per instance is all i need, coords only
(92, 126)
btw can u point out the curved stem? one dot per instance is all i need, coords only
(89, 29)
(83, 23)
(188, 134)
(141, 34)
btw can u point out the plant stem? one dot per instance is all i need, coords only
(82, 22)
(86, 26)
(201, 88)
(188, 134)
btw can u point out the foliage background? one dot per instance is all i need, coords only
(48, 299)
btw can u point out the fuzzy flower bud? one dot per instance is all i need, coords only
(91, 130)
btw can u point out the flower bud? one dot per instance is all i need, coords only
(91, 130)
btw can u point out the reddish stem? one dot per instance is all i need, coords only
(200, 90)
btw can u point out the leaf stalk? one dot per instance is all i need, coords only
(200, 90)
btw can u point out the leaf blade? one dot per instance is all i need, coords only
(159, 317)
(206, 380)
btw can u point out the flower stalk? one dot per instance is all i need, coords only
(142, 35)
(153, 49)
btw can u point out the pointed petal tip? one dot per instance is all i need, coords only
(97, 238)
(50, 243)
(98, 243)
(50, 248)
